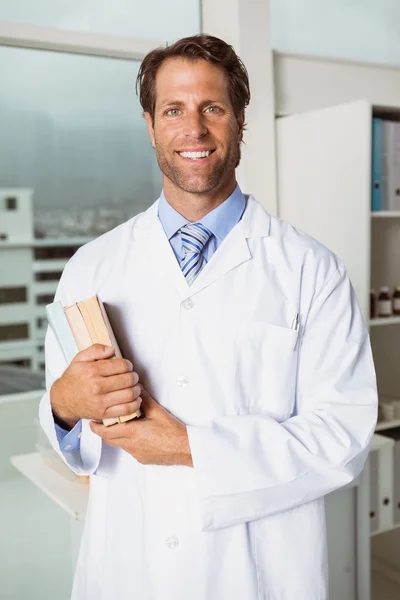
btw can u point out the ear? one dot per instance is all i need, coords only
(240, 122)
(150, 127)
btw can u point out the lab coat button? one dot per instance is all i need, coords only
(172, 542)
(182, 381)
(188, 303)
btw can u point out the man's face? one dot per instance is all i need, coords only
(193, 113)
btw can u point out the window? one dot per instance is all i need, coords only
(11, 203)
(23, 362)
(44, 298)
(13, 295)
(72, 133)
(14, 331)
(48, 276)
(77, 139)
(365, 30)
(55, 252)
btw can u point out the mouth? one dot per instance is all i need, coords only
(199, 156)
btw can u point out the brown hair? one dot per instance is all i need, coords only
(197, 47)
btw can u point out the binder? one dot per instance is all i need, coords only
(390, 179)
(374, 492)
(394, 434)
(376, 171)
(380, 464)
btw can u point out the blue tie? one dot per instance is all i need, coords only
(194, 238)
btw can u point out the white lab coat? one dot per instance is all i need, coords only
(275, 419)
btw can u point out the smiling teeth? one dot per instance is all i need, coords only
(195, 155)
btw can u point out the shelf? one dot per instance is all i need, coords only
(384, 321)
(382, 425)
(385, 529)
(57, 481)
(386, 214)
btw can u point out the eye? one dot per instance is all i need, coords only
(214, 109)
(173, 112)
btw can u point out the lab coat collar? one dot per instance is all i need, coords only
(233, 251)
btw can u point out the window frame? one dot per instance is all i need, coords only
(19, 35)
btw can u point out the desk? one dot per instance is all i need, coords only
(60, 484)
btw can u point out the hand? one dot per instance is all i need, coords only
(95, 387)
(157, 439)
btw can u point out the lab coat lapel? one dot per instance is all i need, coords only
(157, 251)
(232, 252)
(235, 250)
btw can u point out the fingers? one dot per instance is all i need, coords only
(121, 410)
(106, 385)
(124, 396)
(106, 368)
(94, 352)
(113, 436)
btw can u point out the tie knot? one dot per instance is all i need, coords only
(194, 237)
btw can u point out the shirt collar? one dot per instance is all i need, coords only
(219, 221)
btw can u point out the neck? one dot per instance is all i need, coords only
(194, 206)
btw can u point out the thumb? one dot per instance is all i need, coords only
(94, 352)
(148, 403)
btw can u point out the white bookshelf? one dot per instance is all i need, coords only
(324, 182)
(383, 425)
(378, 322)
(386, 214)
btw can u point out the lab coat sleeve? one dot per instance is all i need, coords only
(85, 460)
(251, 466)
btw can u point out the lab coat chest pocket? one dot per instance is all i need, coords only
(265, 369)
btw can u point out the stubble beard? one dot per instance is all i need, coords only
(210, 179)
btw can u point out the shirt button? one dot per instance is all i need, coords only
(68, 447)
(79, 435)
(172, 542)
(188, 303)
(182, 381)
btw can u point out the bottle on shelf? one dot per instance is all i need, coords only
(384, 303)
(372, 304)
(396, 300)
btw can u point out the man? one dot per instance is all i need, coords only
(246, 350)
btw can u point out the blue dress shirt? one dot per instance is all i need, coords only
(219, 221)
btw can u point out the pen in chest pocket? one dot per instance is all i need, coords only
(295, 322)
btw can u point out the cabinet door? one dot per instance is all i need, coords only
(324, 175)
(342, 559)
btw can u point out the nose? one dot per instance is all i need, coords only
(195, 125)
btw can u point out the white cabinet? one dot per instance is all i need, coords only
(324, 174)
(324, 189)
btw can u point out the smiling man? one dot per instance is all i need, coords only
(196, 133)
(244, 346)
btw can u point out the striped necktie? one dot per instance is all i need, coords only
(194, 238)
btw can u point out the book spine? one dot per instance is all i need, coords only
(376, 184)
(60, 326)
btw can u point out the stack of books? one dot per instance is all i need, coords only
(80, 325)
